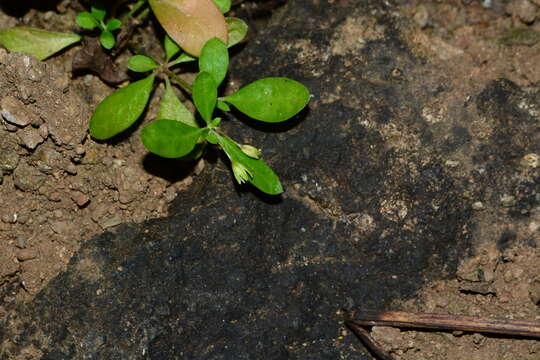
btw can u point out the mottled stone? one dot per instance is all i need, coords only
(30, 137)
(14, 112)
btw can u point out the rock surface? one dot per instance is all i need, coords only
(380, 174)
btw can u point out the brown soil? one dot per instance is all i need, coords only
(60, 187)
(478, 45)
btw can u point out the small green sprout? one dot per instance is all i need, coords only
(176, 133)
(96, 19)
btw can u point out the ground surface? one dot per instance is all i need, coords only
(420, 152)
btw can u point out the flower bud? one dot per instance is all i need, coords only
(241, 173)
(251, 151)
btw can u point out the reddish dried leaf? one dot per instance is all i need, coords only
(190, 23)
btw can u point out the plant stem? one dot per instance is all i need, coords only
(143, 14)
(179, 81)
(135, 8)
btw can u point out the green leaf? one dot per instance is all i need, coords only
(205, 95)
(190, 23)
(37, 42)
(107, 39)
(121, 109)
(211, 137)
(141, 63)
(170, 138)
(98, 14)
(262, 176)
(171, 48)
(221, 105)
(113, 24)
(214, 59)
(214, 122)
(237, 29)
(182, 59)
(270, 99)
(223, 5)
(86, 20)
(172, 108)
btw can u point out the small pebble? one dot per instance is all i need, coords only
(30, 138)
(71, 169)
(80, 150)
(21, 242)
(110, 222)
(26, 254)
(54, 196)
(421, 16)
(478, 205)
(508, 200)
(9, 159)
(12, 110)
(531, 160)
(80, 199)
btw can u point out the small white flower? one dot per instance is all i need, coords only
(251, 151)
(241, 173)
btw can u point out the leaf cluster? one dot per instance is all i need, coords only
(196, 30)
(96, 19)
(176, 132)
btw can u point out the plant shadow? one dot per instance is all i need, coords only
(271, 127)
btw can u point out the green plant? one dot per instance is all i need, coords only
(196, 29)
(96, 19)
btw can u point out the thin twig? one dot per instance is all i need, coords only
(445, 322)
(371, 344)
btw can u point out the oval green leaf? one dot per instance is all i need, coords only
(37, 42)
(270, 99)
(237, 30)
(121, 109)
(107, 39)
(190, 23)
(214, 59)
(262, 176)
(172, 108)
(99, 14)
(141, 63)
(205, 95)
(170, 138)
(86, 20)
(113, 24)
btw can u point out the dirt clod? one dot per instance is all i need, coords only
(522, 9)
